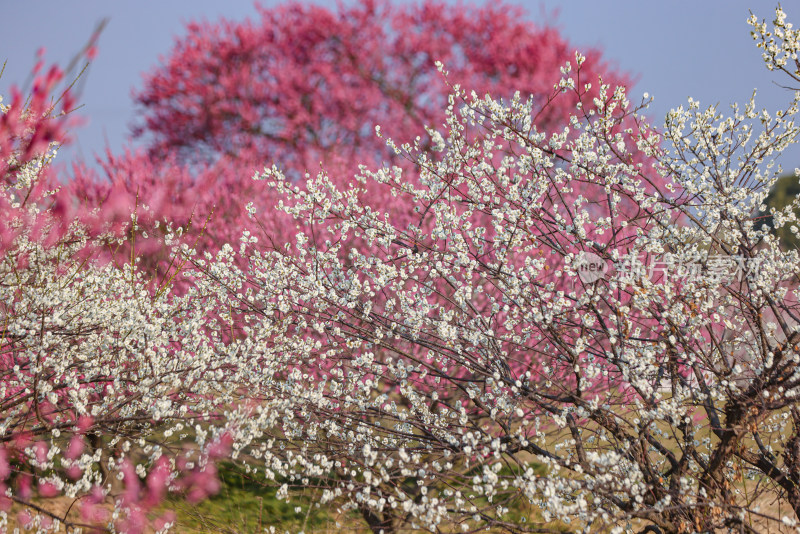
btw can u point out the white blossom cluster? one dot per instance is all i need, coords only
(99, 368)
(780, 43)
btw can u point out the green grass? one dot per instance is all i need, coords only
(247, 503)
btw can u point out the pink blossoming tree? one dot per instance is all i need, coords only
(305, 86)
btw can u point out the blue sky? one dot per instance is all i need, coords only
(677, 49)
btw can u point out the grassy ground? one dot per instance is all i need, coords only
(246, 505)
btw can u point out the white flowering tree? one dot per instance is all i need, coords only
(109, 392)
(553, 338)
